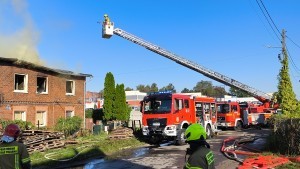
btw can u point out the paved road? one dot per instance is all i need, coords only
(171, 156)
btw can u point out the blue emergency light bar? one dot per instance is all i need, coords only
(161, 92)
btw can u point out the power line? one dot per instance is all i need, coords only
(274, 25)
(261, 19)
(293, 42)
(292, 61)
(269, 16)
(268, 19)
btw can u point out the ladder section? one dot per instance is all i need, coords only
(191, 65)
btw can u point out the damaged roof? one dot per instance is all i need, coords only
(23, 63)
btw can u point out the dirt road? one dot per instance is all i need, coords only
(171, 156)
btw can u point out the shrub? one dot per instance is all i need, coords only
(69, 125)
(24, 125)
(88, 113)
(286, 134)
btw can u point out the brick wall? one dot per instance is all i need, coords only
(55, 102)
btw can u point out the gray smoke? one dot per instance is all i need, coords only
(18, 42)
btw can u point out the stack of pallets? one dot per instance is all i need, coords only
(38, 140)
(121, 133)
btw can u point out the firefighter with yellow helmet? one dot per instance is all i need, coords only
(106, 19)
(200, 155)
(13, 155)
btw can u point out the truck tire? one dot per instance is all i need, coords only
(180, 140)
(209, 132)
(154, 140)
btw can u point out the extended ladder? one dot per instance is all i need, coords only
(189, 64)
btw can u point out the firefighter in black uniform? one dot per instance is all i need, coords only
(13, 155)
(200, 155)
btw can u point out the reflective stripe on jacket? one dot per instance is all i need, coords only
(202, 158)
(14, 155)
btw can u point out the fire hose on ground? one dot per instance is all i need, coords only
(232, 150)
(258, 160)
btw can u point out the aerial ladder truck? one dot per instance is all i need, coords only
(108, 30)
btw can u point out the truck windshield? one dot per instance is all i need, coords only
(223, 108)
(157, 106)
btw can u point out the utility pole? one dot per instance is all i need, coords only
(283, 43)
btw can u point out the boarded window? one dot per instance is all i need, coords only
(19, 115)
(40, 118)
(69, 113)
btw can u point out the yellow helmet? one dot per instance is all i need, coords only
(194, 132)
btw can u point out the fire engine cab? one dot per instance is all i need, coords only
(166, 115)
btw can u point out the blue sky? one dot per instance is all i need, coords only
(229, 37)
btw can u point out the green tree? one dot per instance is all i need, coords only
(286, 96)
(205, 87)
(153, 87)
(237, 92)
(169, 87)
(143, 88)
(125, 113)
(109, 94)
(101, 94)
(186, 90)
(88, 113)
(122, 110)
(219, 91)
(128, 89)
(118, 102)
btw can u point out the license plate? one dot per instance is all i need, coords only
(156, 124)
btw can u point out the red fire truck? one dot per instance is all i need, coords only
(237, 115)
(166, 115)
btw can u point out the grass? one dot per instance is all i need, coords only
(92, 146)
(289, 166)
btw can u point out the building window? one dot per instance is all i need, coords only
(69, 113)
(40, 118)
(20, 115)
(41, 85)
(70, 87)
(21, 83)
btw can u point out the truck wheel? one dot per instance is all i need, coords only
(239, 126)
(180, 140)
(155, 140)
(209, 132)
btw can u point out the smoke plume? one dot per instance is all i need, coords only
(18, 40)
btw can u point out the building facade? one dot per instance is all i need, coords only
(91, 100)
(133, 99)
(39, 94)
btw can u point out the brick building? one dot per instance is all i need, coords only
(39, 94)
(91, 99)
